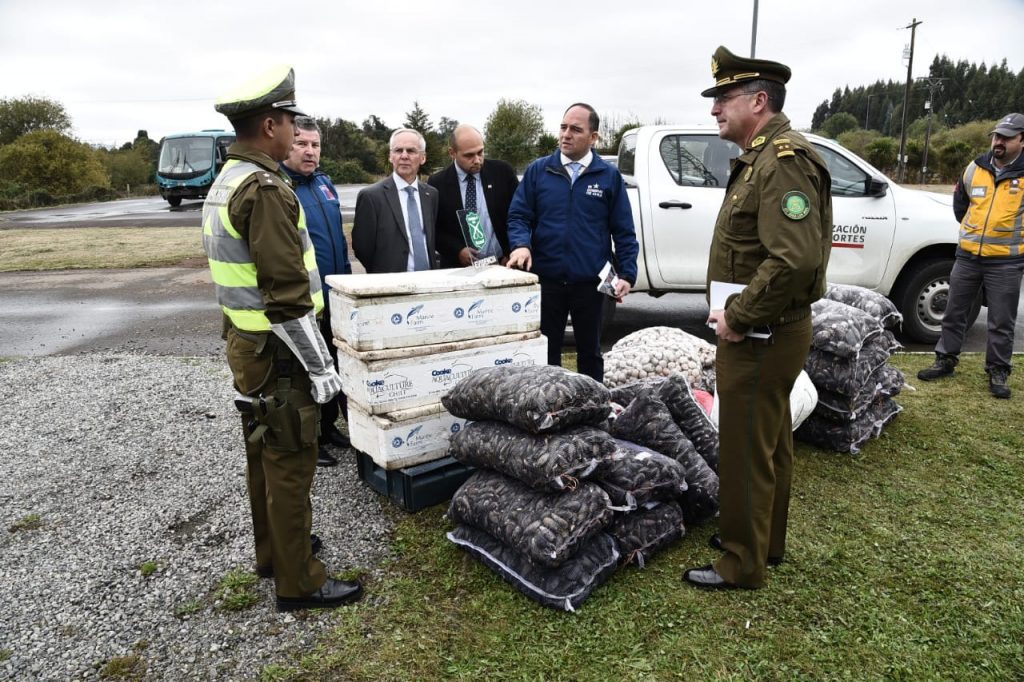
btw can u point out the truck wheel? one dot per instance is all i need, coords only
(175, 202)
(922, 301)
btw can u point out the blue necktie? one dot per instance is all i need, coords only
(576, 166)
(470, 192)
(419, 239)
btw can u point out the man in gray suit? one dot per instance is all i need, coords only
(395, 218)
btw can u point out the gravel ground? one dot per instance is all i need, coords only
(127, 459)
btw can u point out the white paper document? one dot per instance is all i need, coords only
(720, 293)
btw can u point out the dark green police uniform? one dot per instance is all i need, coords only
(773, 234)
(259, 257)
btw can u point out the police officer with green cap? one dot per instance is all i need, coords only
(773, 235)
(265, 274)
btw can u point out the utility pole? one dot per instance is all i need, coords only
(934, 84)
(906, 102)
(867, 111)
(753, 33)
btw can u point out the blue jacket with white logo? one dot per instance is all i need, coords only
(569, 228)
(320, 201)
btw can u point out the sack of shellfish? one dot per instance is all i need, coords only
(691, 418)
(648, 530)
(549, 461)
(648, 422)
(841, 329)
(849, 376)
(634, 475)
(536, 398)
(885, 382)
(871, 302)
(848, 436)
(563, 588)
(657, 352)
(546, 527)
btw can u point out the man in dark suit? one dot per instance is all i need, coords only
(488, 196)
(394, 222)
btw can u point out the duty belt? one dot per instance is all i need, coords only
(791, 316)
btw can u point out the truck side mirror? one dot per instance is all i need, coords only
(876, 188)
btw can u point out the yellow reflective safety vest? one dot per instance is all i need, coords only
(231, 264)
(992, 225)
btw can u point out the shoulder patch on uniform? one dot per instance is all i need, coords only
(783, 148)
(758, 141)
(795, 205)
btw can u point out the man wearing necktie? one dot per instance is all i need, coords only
(565, 215)
(395, 218)
(472, 184)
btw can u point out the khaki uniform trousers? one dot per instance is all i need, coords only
(281, 464)
(754, 379)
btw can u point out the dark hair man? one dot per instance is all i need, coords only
(565, 215)
(319, 199)
(481, 187)
(773, 235)
(989, 203)
(267, 283)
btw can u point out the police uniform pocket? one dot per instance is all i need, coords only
(251, 361)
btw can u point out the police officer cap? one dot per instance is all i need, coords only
(730, 70)
(273, 90)
(1010, 125)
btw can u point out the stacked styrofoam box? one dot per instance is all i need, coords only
(405, 339)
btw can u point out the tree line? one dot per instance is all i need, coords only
(953, 109)
(41, 164)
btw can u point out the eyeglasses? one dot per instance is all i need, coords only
(722, 99)
(411, 151)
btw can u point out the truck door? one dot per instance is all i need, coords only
(687, 177)
(863, 226)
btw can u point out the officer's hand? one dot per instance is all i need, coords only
(468, 255)
(716, 318)
(621, 290)
(326, 385)
(520, 259)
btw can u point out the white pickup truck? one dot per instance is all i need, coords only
(894, 240)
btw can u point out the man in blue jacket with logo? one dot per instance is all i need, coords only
(320, 202)
(566, 213)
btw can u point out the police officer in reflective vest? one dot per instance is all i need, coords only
(265, 274)
(773, 235)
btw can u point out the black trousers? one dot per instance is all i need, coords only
(585, 303)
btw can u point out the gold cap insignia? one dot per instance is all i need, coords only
(714, 66)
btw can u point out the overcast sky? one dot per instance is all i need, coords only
(123, 66)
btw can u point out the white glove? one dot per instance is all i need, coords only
(303, 337)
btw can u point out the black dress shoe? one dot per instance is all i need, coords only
(325, 459)
(707, 578)
(716, 543)
(336, 437)
(315, 543)
(331, 594)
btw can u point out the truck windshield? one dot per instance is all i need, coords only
(186, 156)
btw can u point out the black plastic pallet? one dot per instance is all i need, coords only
(415, 487)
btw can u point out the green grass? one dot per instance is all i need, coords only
(904, 562)
(237, 590)
(148, 568)
(100, 247)
(27, 522)
(188, 608)
(5, 654)
(130, 667)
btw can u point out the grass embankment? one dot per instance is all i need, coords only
(92, 248)
(903, 563)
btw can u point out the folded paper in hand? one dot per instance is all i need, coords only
(718, 296)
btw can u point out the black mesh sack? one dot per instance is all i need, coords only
(690, 417)
(536, 398)
(871, 302)
(634, 475)
(648, 422)
(546, 527)
(841, 329)
(551, 462)
(643, 533)
(563, 588)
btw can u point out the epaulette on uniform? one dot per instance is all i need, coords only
(266, 180)
(783, 147)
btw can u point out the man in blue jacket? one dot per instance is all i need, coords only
(566, 213)
(320, 203)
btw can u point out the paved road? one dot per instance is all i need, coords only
(145, 212)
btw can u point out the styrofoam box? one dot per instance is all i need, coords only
(382, 381)
(396, 310)
(403, 438)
